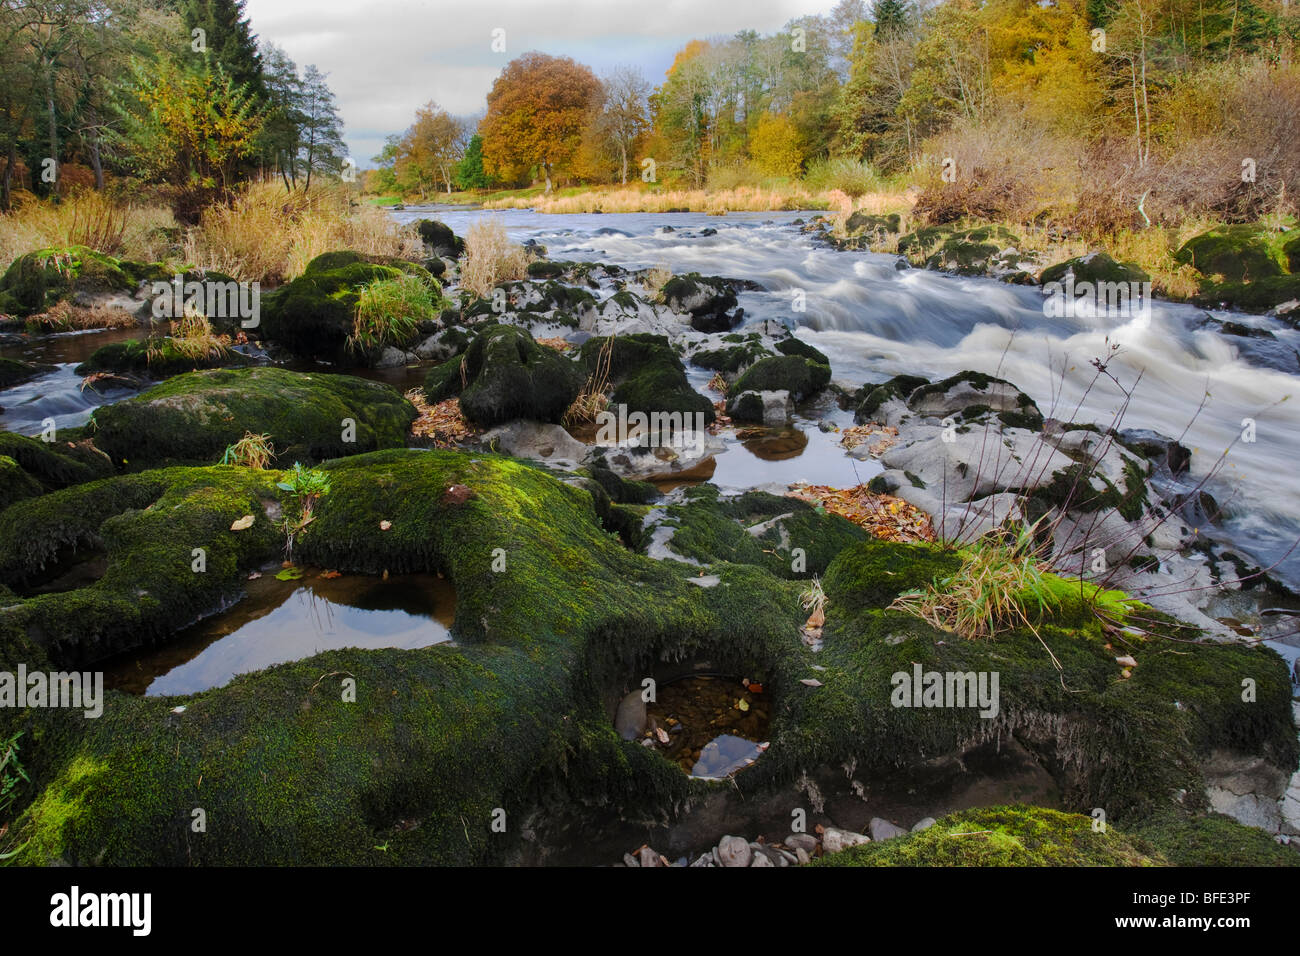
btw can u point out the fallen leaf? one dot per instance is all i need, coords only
(1126, 661)
(811, 682)
(242, 523)
(662, 735)
(817, 618)
(289, 574)
(385, 525)
(254, 575)
(742, 705)
(755, 688)
(331, 575)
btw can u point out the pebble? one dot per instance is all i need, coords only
(734, 851)
(882, 829)
(630, 860)
(805, 841)
(924, 824)
(802, 856)
(834, 839)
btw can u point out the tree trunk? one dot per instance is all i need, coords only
(54, 132)
(96, 161)
(622, 148)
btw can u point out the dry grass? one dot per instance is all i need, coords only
(999, 585)
(632, 199)
(66, 317)
(593, 399)
(268, 234)
(251, 451)
(191, 337)
(490, 258)
(143, 233)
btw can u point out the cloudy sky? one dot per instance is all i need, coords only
(387, 57)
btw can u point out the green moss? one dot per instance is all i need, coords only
(647, 374)
(15, 483)
(14, 372)
(36, 281)
(193, 417)
(1003, 836)
(711, 530)
(1236, 253)
(56, 464)
(801, 377)
(166, 360)
(1257, 296)
(1212, 840)
(1094, 267)
(871, 397)
(312, 316)
(505, 374)
(149, 525)
(732, 359)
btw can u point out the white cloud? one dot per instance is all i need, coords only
(387, 57)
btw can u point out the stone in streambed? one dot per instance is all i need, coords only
(630, 721)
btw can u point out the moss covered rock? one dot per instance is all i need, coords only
(1003, 836)
(1233, 253)
(313, 315)
(505, 374)
(57, 464)
(647, 374)
(963, 251)
(801, 376)
(439, 238)
(193, 417)
(36, 281)
(13, 372)
(15, 483)
(438, 738)
(1094, 267)
(157, 358)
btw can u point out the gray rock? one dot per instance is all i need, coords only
(391, 358)
(882, 829)
(649, 857)
(834, 839)
(924, 824)
(802, 856)
(804, 841)
(535, 440)
(630, 860)
(734, 851)
(761, 859)
(630, 721)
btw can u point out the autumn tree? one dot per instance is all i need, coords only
(536, 113)
(624, 115)
(428, 152)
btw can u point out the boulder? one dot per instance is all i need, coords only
(193, 417)
(505, 374)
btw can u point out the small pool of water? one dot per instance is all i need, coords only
(714, 725)
(282, 621)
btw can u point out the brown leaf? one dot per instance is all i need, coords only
(242, 523)
(457, 495)
(817, 618)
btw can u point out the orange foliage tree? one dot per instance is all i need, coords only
(537, 110)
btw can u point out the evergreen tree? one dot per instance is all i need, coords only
(469, 171)
(891, 17)
(320, 140)
(229, 40)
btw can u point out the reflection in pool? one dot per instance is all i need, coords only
(281, 621)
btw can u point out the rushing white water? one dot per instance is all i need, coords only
(875, 320)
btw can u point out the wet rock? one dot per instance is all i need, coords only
(923, 824)
(799, 375)
(882, 829)
(734, 852)
(649, 858)
(772, 408)
(630, 860)
(760, 858)
(1094, 267)
(801, 855)
(540, 441)
(439, 238)
(1157, 448)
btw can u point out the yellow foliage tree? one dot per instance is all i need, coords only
(775, 146)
